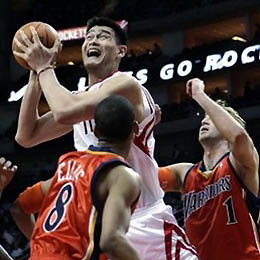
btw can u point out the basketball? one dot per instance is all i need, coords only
(46, 33)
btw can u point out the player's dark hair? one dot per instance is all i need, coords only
(114, 117)
(121, 36)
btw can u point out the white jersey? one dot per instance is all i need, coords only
(140, 156)
(153, 230)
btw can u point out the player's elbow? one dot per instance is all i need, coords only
(24, 142)
(109, 244)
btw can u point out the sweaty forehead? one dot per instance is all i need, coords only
(99, 29)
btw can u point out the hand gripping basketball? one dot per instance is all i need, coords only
(36, 45)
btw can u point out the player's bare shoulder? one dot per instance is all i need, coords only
(125, 177)
(131, 181)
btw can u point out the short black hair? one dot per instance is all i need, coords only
(114, 117)
(104, 21)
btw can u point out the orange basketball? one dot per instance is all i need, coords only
(46, 33)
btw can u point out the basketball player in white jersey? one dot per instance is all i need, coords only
(153, 230)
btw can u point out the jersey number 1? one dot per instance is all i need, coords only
(228, 203)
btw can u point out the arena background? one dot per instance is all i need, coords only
(169, 43)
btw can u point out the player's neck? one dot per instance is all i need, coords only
(120, 148)
(95, 75)
(213, 153)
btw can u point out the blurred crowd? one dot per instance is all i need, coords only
(79, 11)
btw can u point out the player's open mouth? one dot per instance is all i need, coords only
(204, 129)
(93, 53)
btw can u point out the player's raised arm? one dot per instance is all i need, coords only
(70, 109)
(32, 128)
(66, 107)
(244, 156)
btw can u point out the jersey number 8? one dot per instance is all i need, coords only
(57, 213)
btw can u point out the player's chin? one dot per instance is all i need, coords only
(202, 137)
(92, 63)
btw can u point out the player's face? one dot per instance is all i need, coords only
(100, 48)
(208, 130)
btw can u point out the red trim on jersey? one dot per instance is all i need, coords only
(139, 140)
(168, 240)
(183, 236)
(147, 137)
(138, 143)
(180, 245)
(143, 134)
(168, 228)
(178, 250)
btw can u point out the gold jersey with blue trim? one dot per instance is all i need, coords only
(217, 218)
(69, 223)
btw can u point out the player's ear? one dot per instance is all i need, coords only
(122, 50)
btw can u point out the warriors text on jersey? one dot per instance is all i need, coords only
(218, 221)
(69, 223)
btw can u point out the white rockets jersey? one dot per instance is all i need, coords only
(140, 156)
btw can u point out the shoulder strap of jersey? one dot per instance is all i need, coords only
(188, 173)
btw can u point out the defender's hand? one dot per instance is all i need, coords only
(7, 171)
(195, 87)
